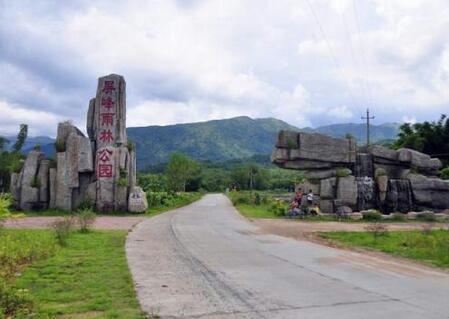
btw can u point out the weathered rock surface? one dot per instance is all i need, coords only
(29, 195)
(383, 176)
(44, 188)
(347, 191)
(137, 202)
(328, 188)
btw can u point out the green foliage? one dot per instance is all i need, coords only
(35, 182)
(398, 217)
(180, 170)
(131, 146)
(152, 182)
(342, 172)
(162, 201)
(85, 219)
(220, 140)
(291, 144)
(87, 279)
(430, 248)
(5, 203)
(21, 138)
(257, 199)
(18, 249)
(37, 147)
(3, 143)
(426, 216)
(372, 215)
(15, 303)
(444, 173)
(62, 229)
(349, 136)
(60, 146)
(429, 137)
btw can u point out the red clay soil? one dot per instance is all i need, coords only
(300, 229)
(102, 222)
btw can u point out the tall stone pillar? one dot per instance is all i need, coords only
(108, 128)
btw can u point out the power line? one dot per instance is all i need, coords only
(331, 51)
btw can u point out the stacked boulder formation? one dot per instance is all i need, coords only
(98, 170)
(346, 178)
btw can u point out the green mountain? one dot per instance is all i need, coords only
(217, 140)
(387, 131)
(237, 138)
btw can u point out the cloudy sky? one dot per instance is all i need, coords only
(308, 62)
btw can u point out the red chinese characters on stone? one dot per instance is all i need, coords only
(104, 167)
(107, 102)
(106, 136)
(108, 87)
(107, 119)
(105, 155)
(104, 170)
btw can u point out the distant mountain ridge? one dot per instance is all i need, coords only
(222, 140)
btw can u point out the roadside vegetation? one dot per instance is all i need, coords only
(426, 245)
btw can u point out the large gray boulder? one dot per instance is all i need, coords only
(137, 202)
(29, 195)
(44, 187)
(429, 192)
(328, 188)
(85, 157)
(63, 198)
(347, 191)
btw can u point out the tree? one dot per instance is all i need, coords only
(428, 137)
(11, 161)
(21, 138)
(180, 170)
(3, 143)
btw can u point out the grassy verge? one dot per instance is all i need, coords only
(89, 278)
(431, 247)
(159, 202)
(181, 199)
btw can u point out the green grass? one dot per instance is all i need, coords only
(252, 211)
(184, 199)
(431, 247)
(87, 279)
(187, 199)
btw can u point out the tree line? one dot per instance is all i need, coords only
(11, 159)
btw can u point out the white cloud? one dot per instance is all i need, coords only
(216, 59)
(39, 122)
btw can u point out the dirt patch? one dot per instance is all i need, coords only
(102, 222)
(300, 229)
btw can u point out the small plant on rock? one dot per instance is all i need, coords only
(60, 146)
(35, 183)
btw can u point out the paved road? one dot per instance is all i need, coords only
(205, 261)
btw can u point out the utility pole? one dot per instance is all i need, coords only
(367, 118)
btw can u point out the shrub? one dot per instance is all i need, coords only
(14, 303)
(123, 178)
(444, 173)
(372, 215)
(5, 203)
(87, 204)
(342, 172)
(291, 144)
(278, 207)
(241, 199)
(60, 146)
(131, 146)
(426, 217)
(257, 199)
(17, 166)
(62, 229)
(37, 147)
(377, 229)
(86, 219)
(398, 217)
